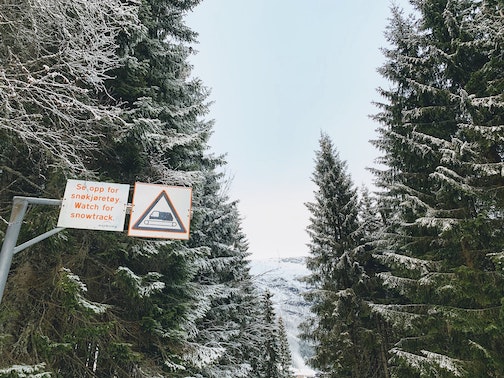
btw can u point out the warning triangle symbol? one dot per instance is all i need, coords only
(160, 216)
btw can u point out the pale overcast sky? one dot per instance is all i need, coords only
(280, 72)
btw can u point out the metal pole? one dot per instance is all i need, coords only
(39, 238)
(19, 206)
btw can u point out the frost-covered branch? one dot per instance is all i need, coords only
(428, 364)
(452, 178)
(401, 284)
(406, 262)
(169, 176)
(144, 286)
(36, 371)
(56, 55)
(401, 316)
(73, 286)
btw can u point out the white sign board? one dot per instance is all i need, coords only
(160, 211)
(94, 205)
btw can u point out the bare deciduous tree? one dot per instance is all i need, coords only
(54, 59)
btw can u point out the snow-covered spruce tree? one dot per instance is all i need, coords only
(343, 343)
(248, 346)
(269, 358)
(284, 353)
(167, 144)
(441, 133)
(223, 326)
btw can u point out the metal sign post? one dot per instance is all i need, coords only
(165, 212)
(19, 206)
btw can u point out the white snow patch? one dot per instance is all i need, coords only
(430, 360)
(146, 285)
(97, 308)
(23, 371)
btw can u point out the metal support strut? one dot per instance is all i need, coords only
(19, 207)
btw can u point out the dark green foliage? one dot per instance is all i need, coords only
(341, 266)
(272, 359)
(441, 129)
(228, 303)
(284, 353)
(270, 356)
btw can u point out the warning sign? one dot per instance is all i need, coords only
(160, 216)
(160, 211)
(94, 205)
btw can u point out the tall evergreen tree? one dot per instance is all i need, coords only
(269, 358)
(249, 344)
(284, 353)
(223, 327)
(343, 343)
(166, 144)
(441, 144)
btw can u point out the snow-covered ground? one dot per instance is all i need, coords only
(281, 277)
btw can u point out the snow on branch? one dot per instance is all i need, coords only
(398, 315)
(441, 279)
(422, 148)
(456, 149)
(173, 366)
(145, 285)
(405, 315)
(200, 355)
(441, 224)
(424, 88)
(411, 193)
(412, 201)
(401, 284)
(406, 262)
(489, 169)
(452, 178)
(491, 133)
(76, 288)
(157, 138)
(25, 371)
(441, 219)
(168, 176)
(205, 295)
(470, 319)
(430, 362)
(409, 115)
(438, 142)
(56, 55)
(165, 139)
(487, 102)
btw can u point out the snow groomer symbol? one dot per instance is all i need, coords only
(164, 218)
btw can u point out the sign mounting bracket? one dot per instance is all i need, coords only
(19, 207)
